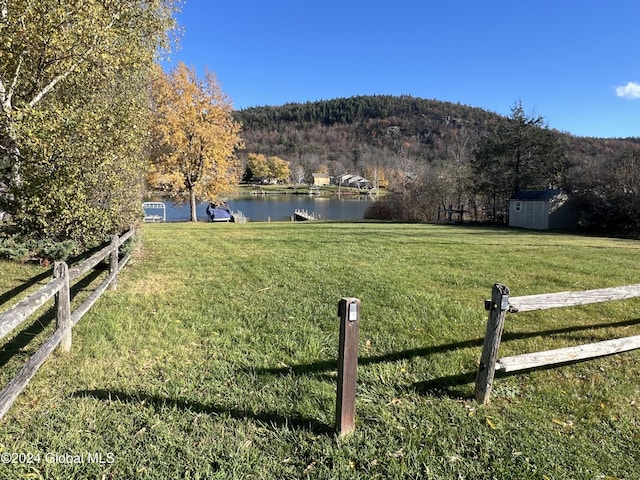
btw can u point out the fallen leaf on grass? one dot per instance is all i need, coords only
(492, 425)
(397, 453)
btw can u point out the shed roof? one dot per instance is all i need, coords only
(536, 194)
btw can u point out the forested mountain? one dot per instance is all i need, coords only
(429, 147)
(352, 133)
(349, 134)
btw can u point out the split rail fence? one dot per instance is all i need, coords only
(501, 303)
(59, 288)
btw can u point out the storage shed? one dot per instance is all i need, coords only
(542, 210)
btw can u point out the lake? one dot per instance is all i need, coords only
(263, 208)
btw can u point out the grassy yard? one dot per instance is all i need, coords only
(216, 358)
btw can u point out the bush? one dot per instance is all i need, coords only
(412, 206)
(13, 250)
(17, 249)
(379, 210)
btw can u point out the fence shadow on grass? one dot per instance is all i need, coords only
(14, 292)
(451, 385)
(271, 418)
(16, 345)
(7, 296)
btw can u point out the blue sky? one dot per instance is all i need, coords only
(574, 62)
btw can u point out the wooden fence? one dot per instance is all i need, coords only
(59, 288)
(501, 303)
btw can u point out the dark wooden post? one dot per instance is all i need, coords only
(113, 262)
(349, 313)
(497, 306)
(63, 306)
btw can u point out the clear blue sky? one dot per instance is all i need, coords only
(574, 62)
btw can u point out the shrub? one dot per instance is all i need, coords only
(17, 249)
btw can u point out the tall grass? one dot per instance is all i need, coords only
(216, 358)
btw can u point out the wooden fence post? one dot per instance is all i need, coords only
(63, 306)
(113, 262)
(349, 313)
(497, 307)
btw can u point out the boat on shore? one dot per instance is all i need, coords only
(219, 213)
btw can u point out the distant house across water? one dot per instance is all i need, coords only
(349, 180)
(320, 179)
(542, 210)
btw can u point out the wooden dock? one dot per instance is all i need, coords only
(303, 216)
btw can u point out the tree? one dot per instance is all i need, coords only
(86, 160)
(74, 109)
(455, 171)
(257, 167)
(520, 153)
(261, 167)
(607, 194)
(195, 137)
(298, 174)
(279, 169)
(44, 44)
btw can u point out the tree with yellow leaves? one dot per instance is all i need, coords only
(259, 167)
(195, 137)
(279, 169)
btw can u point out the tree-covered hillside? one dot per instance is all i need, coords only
(301, 131)
(351, 133)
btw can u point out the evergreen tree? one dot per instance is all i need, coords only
(520, 153)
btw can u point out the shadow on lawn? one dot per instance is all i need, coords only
(449, 385)
(46, 275)
(271, 418)
(17, 344)
(10, 294)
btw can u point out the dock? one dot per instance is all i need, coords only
(150, 218)
(303, 216)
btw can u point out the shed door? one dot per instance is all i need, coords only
(535, 215)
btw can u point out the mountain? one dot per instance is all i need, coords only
(351, 134)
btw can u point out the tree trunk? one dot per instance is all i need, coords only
(192, 202)
(10, 165)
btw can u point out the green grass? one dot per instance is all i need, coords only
(216, 358)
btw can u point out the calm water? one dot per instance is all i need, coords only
(262, 208)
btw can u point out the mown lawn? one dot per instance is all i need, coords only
(216, 358)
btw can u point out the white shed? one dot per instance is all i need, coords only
(542, 210)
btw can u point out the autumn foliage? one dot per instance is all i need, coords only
(195, 137)
(74, 116)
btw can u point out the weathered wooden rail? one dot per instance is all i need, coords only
(59, 287)
(501, 304)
